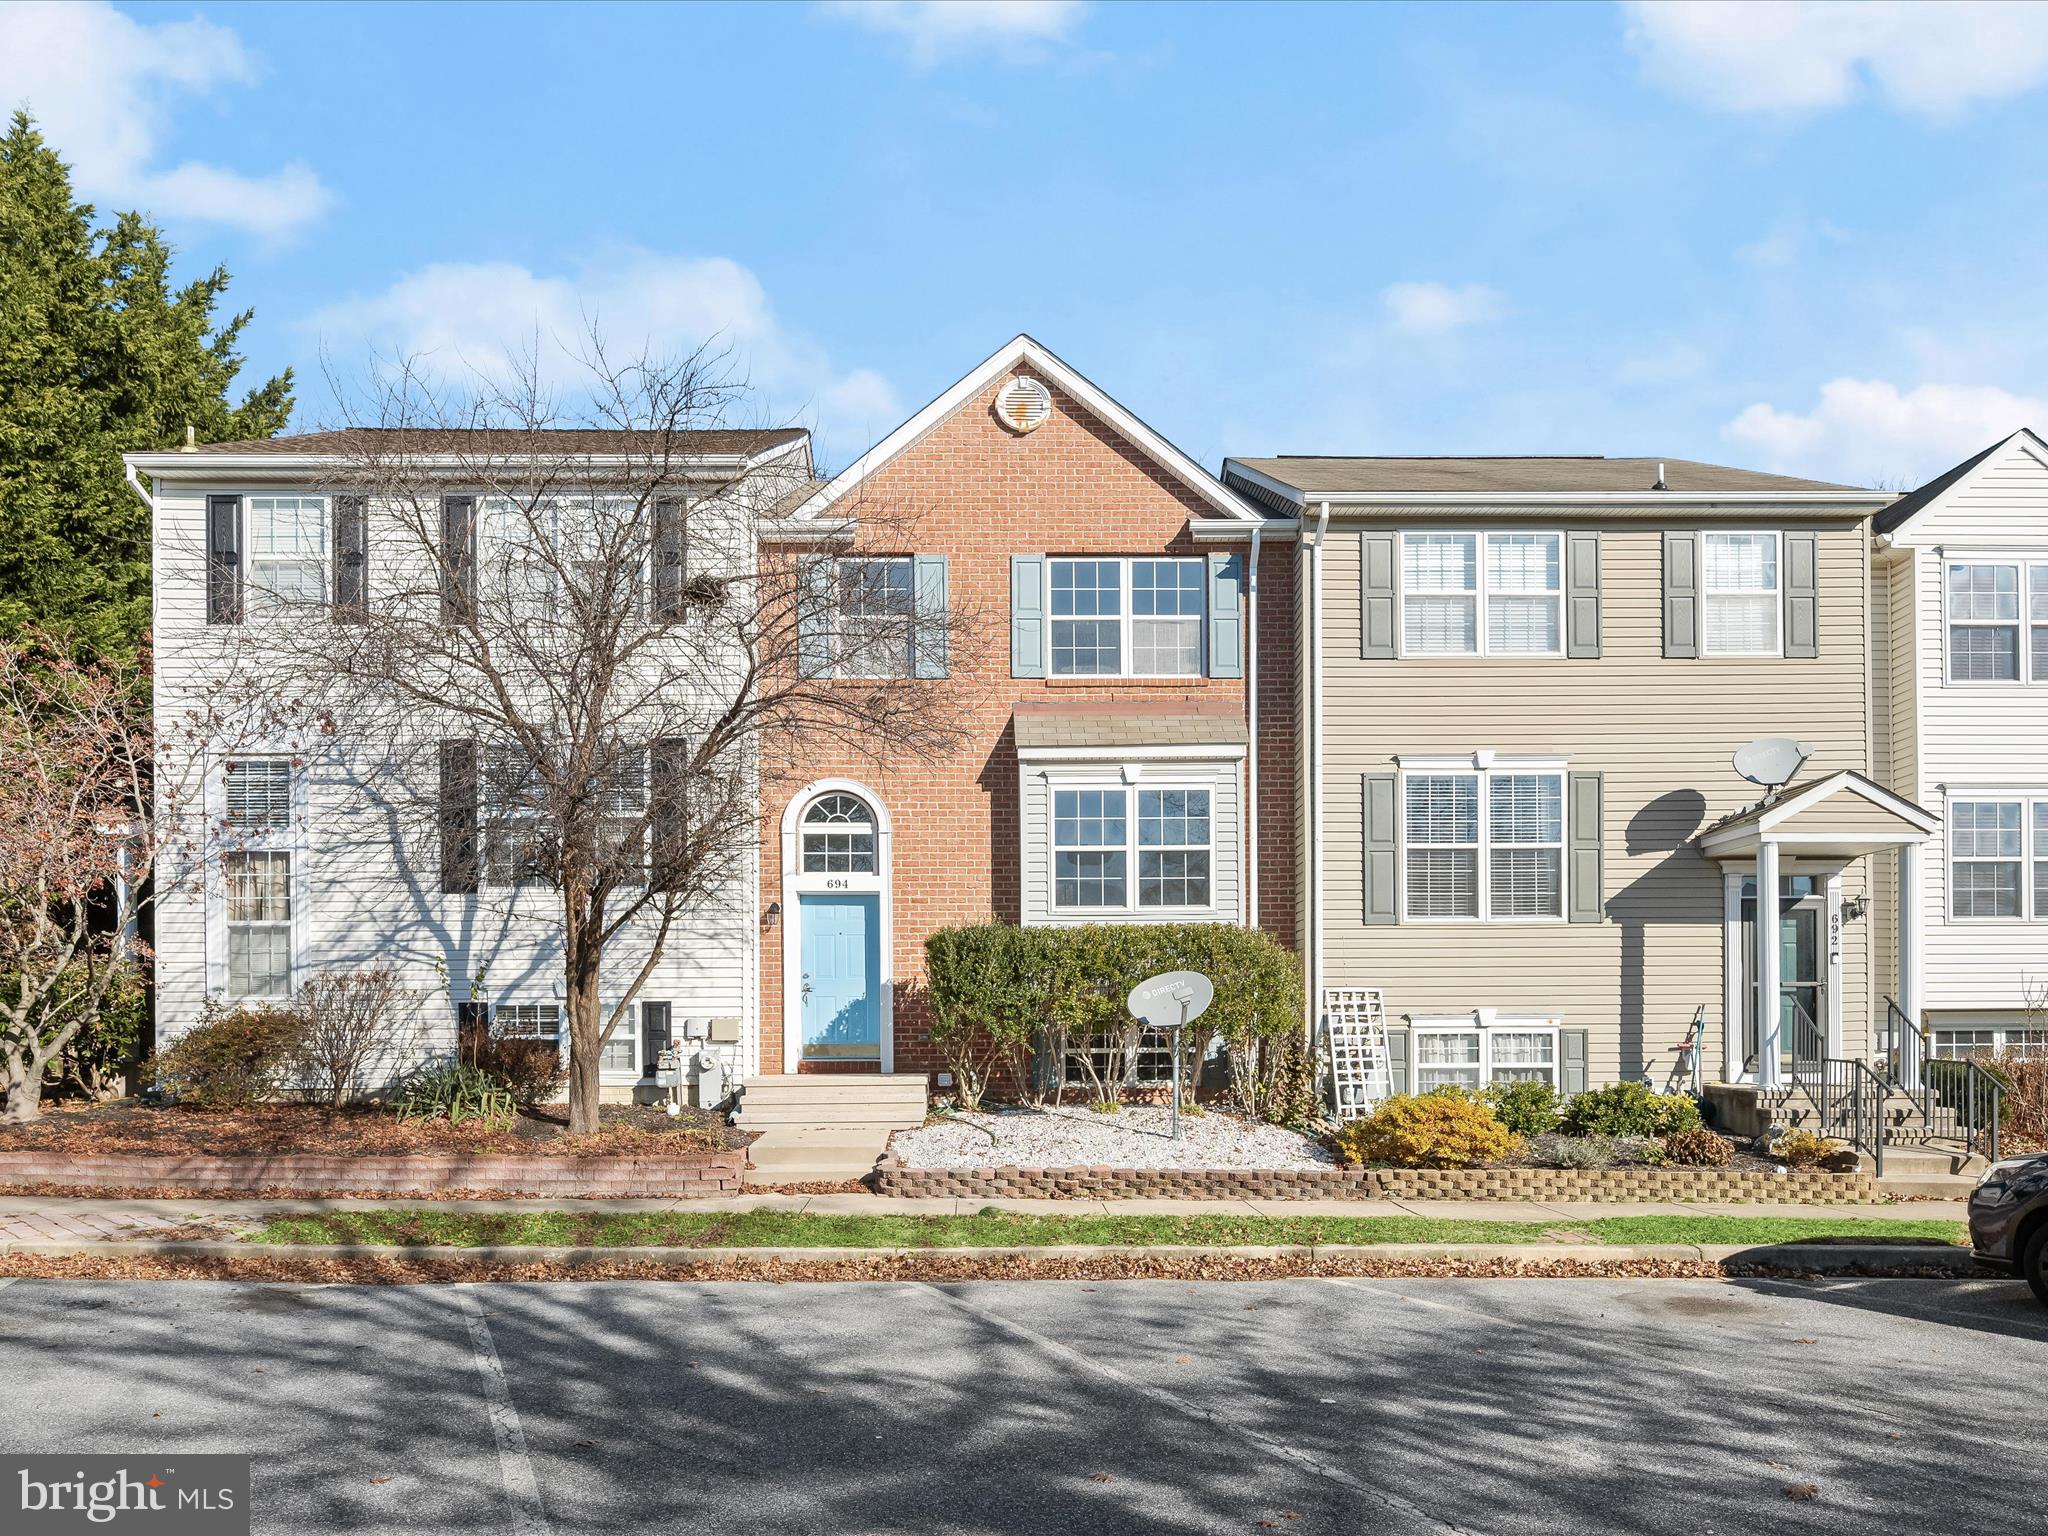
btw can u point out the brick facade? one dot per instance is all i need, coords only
(710, 1176)
(981, 494)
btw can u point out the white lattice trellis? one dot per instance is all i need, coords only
(1355, 1038)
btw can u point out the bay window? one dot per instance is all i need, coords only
(1126, 618)
(1483, 844)
(1470, 594)
(1096, 843)
(1741, 597)
(1464, 1054)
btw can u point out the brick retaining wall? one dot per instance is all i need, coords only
(1604, 1184)
(708, 1176)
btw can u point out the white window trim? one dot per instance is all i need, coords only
(1484, 1022)
(2024, 675)
(487, 503)
(1481, 641)
(2026, 799)
(2001, 1040)
(1131, 849)
(322, 562)
(1776, 594)
(221, 839)
(1125, 618)
(1484, 765)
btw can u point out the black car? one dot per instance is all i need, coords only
(2009, 1220)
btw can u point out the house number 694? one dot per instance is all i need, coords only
(838, 885)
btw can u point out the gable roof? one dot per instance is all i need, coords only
(1024, 351)
(1309, 476)
(1909, 506)
(447, 443)
(1769, 813)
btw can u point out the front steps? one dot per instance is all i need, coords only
(825, 1126)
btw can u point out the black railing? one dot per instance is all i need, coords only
(1847, 1097)
(1957, 1099)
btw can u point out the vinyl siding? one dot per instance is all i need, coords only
(1844, 812)
(1661, 732)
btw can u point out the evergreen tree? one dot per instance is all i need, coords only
(98, 357)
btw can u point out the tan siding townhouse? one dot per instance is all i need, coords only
(1524, 682)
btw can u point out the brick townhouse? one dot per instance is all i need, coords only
(1120, 640)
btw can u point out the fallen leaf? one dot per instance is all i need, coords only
(693, 1365)
(379, 1482)
(1802, 1492)
(586, 1442)
(1806, 1341)
(1782, 1466)
(1101, 1477)
(1893, 1434)
(1183, 1359)
(1290, 1514)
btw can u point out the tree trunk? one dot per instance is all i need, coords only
(582, 953)
(24, 1088)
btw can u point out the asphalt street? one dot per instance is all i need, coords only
(1305, 1406)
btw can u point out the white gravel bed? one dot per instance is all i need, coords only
(1076, 1137)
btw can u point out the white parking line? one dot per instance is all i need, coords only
(1069, 1356)
(515, 1470)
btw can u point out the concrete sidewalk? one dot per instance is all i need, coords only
(39, 1220)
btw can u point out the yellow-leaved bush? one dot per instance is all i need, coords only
(1428, 1130)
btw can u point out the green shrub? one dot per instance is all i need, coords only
(1698, 1148)
(455, 1091)
(1967, 1094)
(1803, 1149)
(1006, 1000)
(1576, 1151)
(1629, 1109)
(230, 1059)
(531, 1071)
(1526, 1108)
(1430, 1130)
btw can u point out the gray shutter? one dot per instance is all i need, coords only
(223, 559)
(1571, 1061)
(1381, 855)
(814, 616)
(1226, 615)
(1397, 1060)
(1582, 594)
(458, 817)
(1681, 594)
(1379, 595)
(928, 591)
(458, 558)
(1802, 594)
(668, 812)
(351, 557)
(667, 606)
(1588, 879)
(1027, 615)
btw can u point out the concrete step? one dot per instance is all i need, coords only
(801, 1122)
(1941, 1186)
(776, 1147)
(898, 1087)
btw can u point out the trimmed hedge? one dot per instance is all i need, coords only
(1013, 1006)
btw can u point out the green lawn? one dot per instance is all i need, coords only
(992, 1228)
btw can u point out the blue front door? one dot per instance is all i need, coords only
(842, 977)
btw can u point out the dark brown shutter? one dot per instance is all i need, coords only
(668, 560)
(668, 812)
(458, 817)
(223, 559)
(351, 557)
(458, 558)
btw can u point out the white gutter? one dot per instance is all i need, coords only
(1646, 501)
(1251, 720)
(1315, 774)
(134, 480)
(203, 464)
(1210, 530)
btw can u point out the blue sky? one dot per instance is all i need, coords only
(1789, 236)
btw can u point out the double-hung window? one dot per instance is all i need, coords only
(1126, 618)
(1485, 845)
(876, 617)
(1741, 598)
(1096, 843)
(1997, 621)
(288, 548)
(515, 827)
(1463, 1055)
(527, 1021)
(1991, 843)
(256, 876)
(1470, 594)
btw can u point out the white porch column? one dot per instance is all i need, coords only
(1768, 1073)
(1912, 971)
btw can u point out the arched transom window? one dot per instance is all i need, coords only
(839, 836)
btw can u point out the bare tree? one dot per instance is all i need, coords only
(346, 1022)
(566, 645)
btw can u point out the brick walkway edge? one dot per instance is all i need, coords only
(708, 1176)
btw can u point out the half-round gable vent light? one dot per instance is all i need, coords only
(1023, 404)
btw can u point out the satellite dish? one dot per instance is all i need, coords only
(1771, 761)
(1171, 1000)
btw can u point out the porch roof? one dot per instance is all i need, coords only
(1844, 815)
(1179, 727)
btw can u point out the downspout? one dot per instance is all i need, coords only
(135, 484)
(1251, 710)
(1315, 776)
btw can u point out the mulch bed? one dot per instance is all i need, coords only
(131, 1127)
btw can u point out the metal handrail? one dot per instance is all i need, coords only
(1846, 1094)
(1905, 1046)
(1911, 1068)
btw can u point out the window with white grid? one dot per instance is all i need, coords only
(257, 792)
(288, 547)
(876, 618)
(1443, 845)
(259, 924)
(1087, 618)
(839, 835)
(1740, 597)
(1439, 594)
(1484, 845)
(1447, 1058)
(1127, 618)
(515, 830)
(1521, 1056)
(527, 1021)
(1984, 622)
(1148, 849)
(1469, 1057)
(1526, 857)
(1166, 618)
(1985, 853)
(1524, 594)
(1173, 847)
(1090, 853)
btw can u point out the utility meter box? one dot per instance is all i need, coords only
(725, 1031)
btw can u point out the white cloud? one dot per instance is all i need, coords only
(1022, 31)
(102, 87)
(1868, 430)
(484, 316)
(1790, 56)
(1428, 309)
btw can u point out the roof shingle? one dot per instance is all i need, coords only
(1591, 473)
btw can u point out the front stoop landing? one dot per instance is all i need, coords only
(817, 1127)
